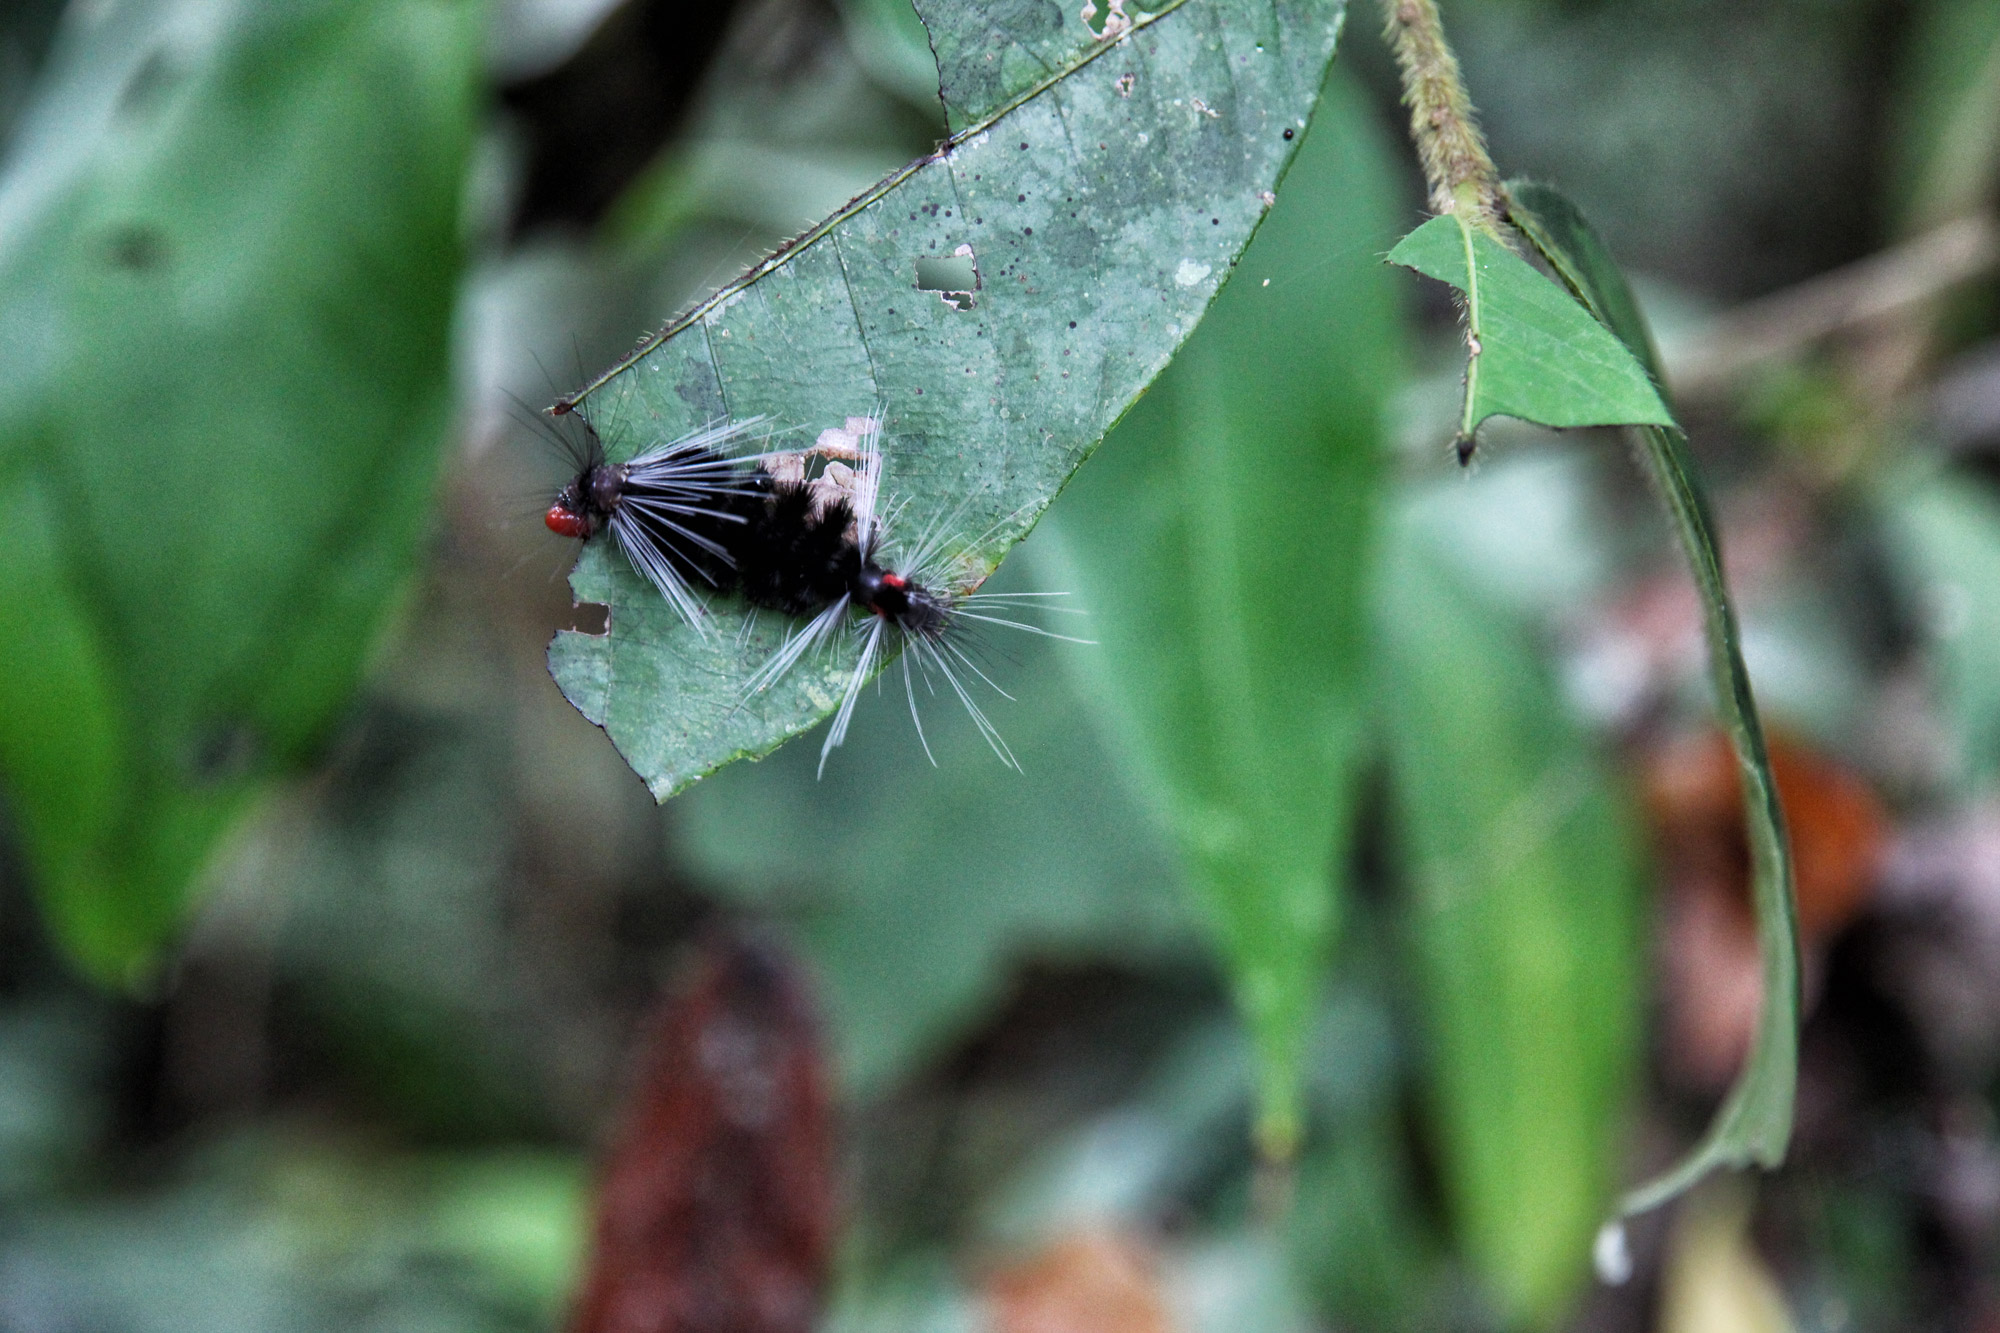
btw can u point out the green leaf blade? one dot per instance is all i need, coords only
(1754, 1124)
(1102, 202)
(1537, 355)
(1524, 922)
(230, 516)
(1221, 544)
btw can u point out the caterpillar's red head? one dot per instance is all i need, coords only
(587, 503)
(567, 522)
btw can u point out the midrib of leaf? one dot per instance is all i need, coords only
(812, 235)
(1224, 650)
(1474, 335)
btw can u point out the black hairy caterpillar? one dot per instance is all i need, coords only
(801, 534)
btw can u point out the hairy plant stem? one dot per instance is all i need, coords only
(1456, 164)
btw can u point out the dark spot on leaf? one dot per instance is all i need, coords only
(1024, 148)
(1288, 133)
(1072, 323)
(137, 248)
(1027, 231)
(1215, 222)
(1020, 198)
(593, 618)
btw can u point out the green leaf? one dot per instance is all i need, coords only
(1755, 1122)
(1524, 919)
(228, 257)
(1534, 353)
(1103, 189)
(1221, 546)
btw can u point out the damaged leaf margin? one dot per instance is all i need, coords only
(1103, 209)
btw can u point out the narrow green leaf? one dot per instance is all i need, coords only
(1534, 353)
(228, 258)
(1221, 545)
(1103, 190)
(1524, 920)
(1755, 1122)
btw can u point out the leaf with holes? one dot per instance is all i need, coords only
(1003, 300)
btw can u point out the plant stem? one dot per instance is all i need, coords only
(1442, 123)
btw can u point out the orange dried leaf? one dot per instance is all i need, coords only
(1087, 1282)
(1838, 829)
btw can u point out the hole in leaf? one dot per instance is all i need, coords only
(954, 277)
(593, 618)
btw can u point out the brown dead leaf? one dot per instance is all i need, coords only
(716, 1210)
(1086, 1282)
(1838, 829)
(1713, 981)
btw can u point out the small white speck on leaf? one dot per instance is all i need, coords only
(1189, 273)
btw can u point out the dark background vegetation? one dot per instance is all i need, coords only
(368, 1090)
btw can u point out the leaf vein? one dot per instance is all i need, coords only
(860, 203)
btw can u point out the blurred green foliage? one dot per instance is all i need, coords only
(231, 254)
(365, 1094)
(1945, 532)
(1222, 545)
(1523, 919)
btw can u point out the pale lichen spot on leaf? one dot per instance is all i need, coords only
(1190, 272)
